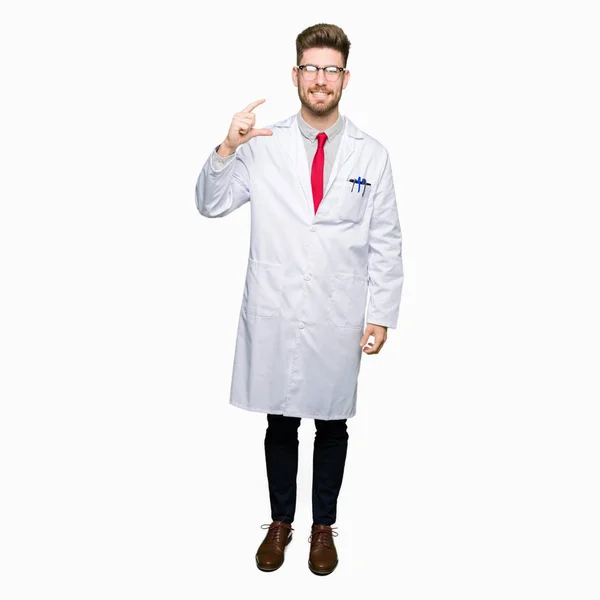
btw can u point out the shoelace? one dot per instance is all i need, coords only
(275, 530)
(322, 536)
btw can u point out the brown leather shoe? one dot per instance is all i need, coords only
(270, 554)
(323, 558)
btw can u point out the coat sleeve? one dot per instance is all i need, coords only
(385, 268)
(224, 183)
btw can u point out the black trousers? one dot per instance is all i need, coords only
(329, 458)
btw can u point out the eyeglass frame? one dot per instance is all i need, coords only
(340, 70)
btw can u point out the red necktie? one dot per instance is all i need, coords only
(316, 176)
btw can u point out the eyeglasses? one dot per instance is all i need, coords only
(332, 72)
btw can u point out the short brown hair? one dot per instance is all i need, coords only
(323, 35)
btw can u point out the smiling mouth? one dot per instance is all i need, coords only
(320, 94)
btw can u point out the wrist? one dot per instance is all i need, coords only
(225, 150)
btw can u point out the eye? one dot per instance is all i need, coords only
(310, 68)
(331, 69)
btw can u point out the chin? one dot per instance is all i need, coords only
(320, 107)
(322, 110)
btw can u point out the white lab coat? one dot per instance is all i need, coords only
(302, 313)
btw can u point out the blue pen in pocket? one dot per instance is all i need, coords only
(360, 181)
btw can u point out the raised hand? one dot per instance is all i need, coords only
(242, 128)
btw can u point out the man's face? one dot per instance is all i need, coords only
(319, 104)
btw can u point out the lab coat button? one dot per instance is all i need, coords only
(308, 276)
(312, 228)
(301, 325)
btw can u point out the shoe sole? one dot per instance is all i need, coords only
(319, 572)
(270, 569)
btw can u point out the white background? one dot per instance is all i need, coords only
(472, 469)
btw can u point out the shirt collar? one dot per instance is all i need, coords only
(311, 133)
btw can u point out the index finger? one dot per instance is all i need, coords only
(253, 105)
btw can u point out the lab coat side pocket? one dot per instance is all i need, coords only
(262, 289)
(352, 203)
(347, 300)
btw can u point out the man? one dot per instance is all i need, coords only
(324, 232)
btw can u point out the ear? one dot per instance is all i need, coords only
(346, 79)
(295, 76)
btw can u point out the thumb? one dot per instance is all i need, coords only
(254, 132)
(365, 338)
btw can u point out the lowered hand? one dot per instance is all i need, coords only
(379, 332)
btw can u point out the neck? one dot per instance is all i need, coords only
(320, 122)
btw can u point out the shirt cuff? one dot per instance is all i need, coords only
(218, 162)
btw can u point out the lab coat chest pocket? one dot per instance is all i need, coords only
(352, 203)
(347, 300)
(262, 289)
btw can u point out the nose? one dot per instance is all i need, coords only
(321, 77)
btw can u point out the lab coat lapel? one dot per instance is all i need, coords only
(292, 147)
(345, 151)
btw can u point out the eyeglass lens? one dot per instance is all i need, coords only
(310, 72)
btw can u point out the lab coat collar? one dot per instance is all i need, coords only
(290, 141)
(351, 129)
